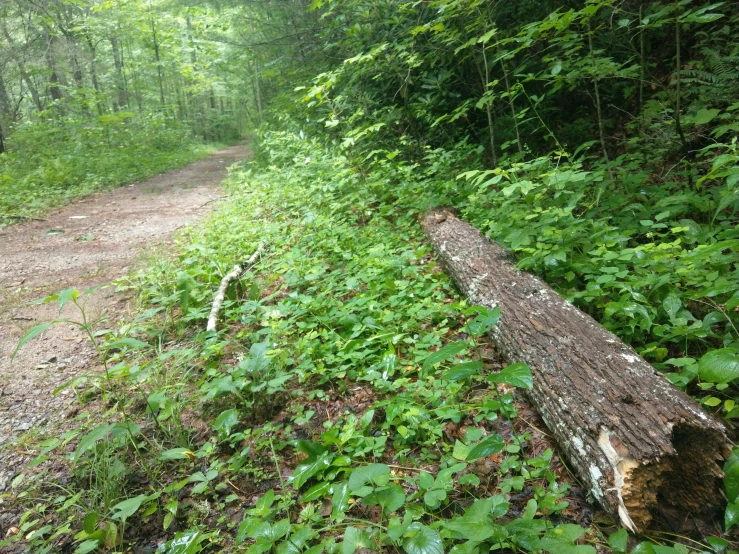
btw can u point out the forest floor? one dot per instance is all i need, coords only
(86, 244)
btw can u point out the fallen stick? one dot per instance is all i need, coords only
(639, 443)
(235, 273)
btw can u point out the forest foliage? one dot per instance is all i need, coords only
(350, 402)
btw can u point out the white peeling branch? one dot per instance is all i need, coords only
(235, 273)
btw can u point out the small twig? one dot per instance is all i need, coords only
(212, 200)
(235, 273)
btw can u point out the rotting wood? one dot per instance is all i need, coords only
(639, 443)
(235, 273)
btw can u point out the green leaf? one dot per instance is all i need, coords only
(476, 524)
(89, 524)
(704, 116)
(731, 476)
(127, 508)
(719, 366)
(379, 474)
(731, 517)
(340, 499)
(516, 375)
(491, 444)
(462, 371)
(309, 447)
(34, 331)
(443, 354)
(178, 453)
(672, 304)
(422, 540)
(317, 491)
(484, 321)
(390, 498)
(88, 441)
(355, 538)
(225, 421)
(87, 546)
(187, 542)
(309, 468)
(618, 541)
(65, 296)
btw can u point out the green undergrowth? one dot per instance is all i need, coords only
(348, 403)
(51, 161)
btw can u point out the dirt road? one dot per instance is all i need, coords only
(83, 245)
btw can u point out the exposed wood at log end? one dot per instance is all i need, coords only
(688, 479)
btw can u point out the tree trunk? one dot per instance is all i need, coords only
(56, 80)
(638, 442)
(122, 100)
(157, 58)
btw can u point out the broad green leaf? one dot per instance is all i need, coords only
(65, 296)
(378, 474)
(390, 498)
(422, 540)
(516, 375)
(731, 476)
(672, 304)
(443, 354)
(185, 543)
(87, 546)
(618, 541)
(731, 517)
(491, 444)
(484, 321)
(554, 546)
(476, 524)
(178, 453)
(225, 421)
(90, 439)
(340, 499)
(355, 538)
(462, 371)
(309, 447)
(317, 491)
(309, 468)
(704, 116)
(127, 508)
(719, 366)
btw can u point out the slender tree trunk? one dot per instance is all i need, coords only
(94, 75)
(512, 107)
(488, 109)
(6, 112)
(157, 58)
(642, 71)
(121, 96)
(601, 130)
(55, 78)
(257, 86)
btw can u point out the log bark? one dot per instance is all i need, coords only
(639, 443)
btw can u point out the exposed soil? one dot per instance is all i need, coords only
(83, 245)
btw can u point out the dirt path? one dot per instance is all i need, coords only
(83, 245)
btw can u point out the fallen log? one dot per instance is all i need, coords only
(639, 443)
